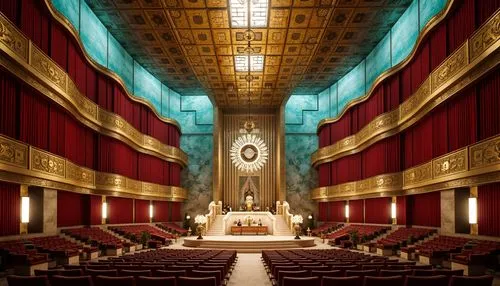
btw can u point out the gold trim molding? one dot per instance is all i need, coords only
(69, 27)
(22, 58)
(24, 164)
(473, 59)
(433, 22)
(474, 165)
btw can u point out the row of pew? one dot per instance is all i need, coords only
(340, 267)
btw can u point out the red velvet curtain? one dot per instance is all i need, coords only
(356, 211)
(142, 211)
(10, 209)
(8, 105)
(35, 21)
(162, 211)
(120, 210)
(401, 210)
(72, 209)
(336, 211)
(488, 209)
(426, 209)
(176, 211)
(378, 210)
(489, 105)
(322, 211)
(95, 210)
(440, 43)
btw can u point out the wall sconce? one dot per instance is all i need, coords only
(25, 209)
(473, 210)
(347, 211)
(188, 217)
(393, 210)
(151, 211)
(104, 210)
(310, 217)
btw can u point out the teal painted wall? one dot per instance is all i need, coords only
(194, 113)
(303, 112)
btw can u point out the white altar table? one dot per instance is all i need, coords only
(266, 218)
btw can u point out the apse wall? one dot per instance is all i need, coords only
(304, 112)
(194, 113)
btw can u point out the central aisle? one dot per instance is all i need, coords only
(249, 270)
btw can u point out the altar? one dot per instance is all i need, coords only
(251, 221)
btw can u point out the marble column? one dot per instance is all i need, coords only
(50, 211)
(448, 212)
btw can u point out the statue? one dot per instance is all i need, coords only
(249, 203)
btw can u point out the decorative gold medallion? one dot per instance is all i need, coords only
(249, 153)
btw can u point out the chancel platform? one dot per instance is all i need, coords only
(249, 243)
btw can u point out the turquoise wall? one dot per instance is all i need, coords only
(194, 113)
(303, 112)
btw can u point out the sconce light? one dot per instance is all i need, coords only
(188, 217)
(393, 210)
(150, 211)
(346, 211)
(310, 217)
(25, 209)
(473, 210)
(104, 210)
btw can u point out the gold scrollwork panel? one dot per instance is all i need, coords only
(460, 168)
(41, 72)
(24, 164)
(462, 68)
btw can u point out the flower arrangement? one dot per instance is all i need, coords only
(297, 219)
(200, 219)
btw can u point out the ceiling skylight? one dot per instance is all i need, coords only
(240, 13)
(256, 63)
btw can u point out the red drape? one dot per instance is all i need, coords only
(142, 211)
(10, 209)
(120, 210)
(95, 210)
(401, 210)
(336, 211)
(35, 21)
(322, 211)
(72, 209)
(162, 211)
(440, 43)
(176, 211)
(426, 209)
(356, 209)
(378, 210)
(488, 212)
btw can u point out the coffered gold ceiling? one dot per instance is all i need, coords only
(190, 45)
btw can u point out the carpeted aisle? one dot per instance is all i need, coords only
(249, 270)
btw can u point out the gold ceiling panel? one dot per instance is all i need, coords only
(190, 45)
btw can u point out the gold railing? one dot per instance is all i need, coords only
(477, 56)
(24, 164)
(469, 166)
(25, 60)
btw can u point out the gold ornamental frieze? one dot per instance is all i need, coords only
(45, 75)
(45, 162)
(458, 71)
(485, 37)
(24, 164)
(450, 164)
(476, 164)
(13, 153)
(485, 154)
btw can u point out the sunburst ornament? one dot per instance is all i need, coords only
(249, 153)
